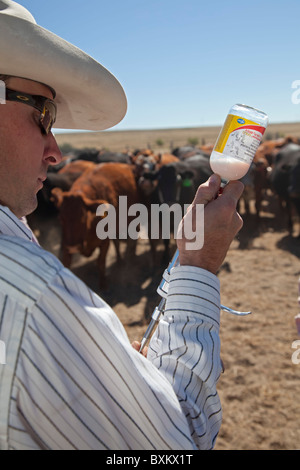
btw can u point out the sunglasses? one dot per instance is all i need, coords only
(46, 107)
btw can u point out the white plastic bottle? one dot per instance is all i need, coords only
(237, 142)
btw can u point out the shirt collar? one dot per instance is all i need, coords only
(11, 225)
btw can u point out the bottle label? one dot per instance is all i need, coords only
(239, 138)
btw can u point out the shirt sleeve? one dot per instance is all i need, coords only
(186, 349)
(81, 385)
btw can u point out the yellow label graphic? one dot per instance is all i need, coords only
(234, 123)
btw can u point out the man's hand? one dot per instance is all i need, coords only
(136, 345)
(221, 224)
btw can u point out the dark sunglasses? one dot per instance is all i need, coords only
(46, 107)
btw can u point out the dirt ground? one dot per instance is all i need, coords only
(260, 387)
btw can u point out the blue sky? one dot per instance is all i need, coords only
(183, 63)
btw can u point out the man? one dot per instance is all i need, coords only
(71, 379)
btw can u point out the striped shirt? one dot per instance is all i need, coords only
(72, 379)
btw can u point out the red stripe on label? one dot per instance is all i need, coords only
(260, 129)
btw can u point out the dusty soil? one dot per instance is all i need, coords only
(260, 386)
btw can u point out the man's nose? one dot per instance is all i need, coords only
(52, 153)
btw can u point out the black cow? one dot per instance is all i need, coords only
(92, 155)
(175, 183)
(113, 157)
(188, 151)
(54, 180)
(285, 179)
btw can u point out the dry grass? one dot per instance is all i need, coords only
(171, 138)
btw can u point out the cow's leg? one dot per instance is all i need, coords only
(286, 210)
(117, 247)
(102, 262)
(295, 202)
(166, 254)
(131, 248)
(153, 242)
(258, 200)
(153, 249)
(66, 257)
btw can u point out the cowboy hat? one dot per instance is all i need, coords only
(88, 96)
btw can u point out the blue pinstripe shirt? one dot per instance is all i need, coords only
(71, 378)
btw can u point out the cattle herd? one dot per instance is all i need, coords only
(80, 183)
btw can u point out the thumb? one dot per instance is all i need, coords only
(233, 189)
(208, 190)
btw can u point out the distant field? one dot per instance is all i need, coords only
(160, 139)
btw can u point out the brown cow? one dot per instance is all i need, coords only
(165, 159)
(145, 161)
(77, 210)
(269, 148)
(77, 167)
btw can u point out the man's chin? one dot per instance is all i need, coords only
(30, 207)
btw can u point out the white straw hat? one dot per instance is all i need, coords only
(88, 96)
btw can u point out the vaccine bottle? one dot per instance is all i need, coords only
(238, 141)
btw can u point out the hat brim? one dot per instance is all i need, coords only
(88, 96)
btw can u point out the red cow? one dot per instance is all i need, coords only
(77, 210)
(77, 167)
(146, 160)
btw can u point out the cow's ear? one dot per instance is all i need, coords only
(57, 197)
(93, 204)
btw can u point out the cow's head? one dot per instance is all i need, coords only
(143, 163)
(170, 184)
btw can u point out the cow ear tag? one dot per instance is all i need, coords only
(187, 183)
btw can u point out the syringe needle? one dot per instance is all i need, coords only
(154, 320)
